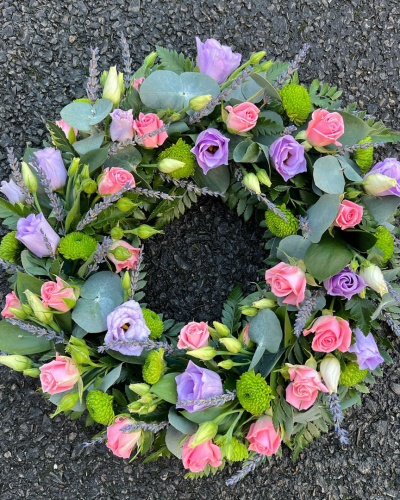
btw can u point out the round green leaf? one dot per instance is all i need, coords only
(294, 245)
(328, 175)
(217, 179)
(322, 215)
(266, 331)
(83, 116)
(181, 423)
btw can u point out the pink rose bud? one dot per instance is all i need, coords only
(145, 125)
(67, 130)
(331, 332)
(53, 295)
(196, 459)
(193, 336)
(287, 281)
(118, 442)
(114, 179)
(59, 375)
(263, 438)
(304, 387)
(349, 215)
(121, 127)
(137, 82)
(242, 117)
(130, 262)
(324, 128)
(12, 301)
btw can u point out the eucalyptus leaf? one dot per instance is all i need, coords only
(90, 143)
(110, 379)
(208, 414)
(382, 208)
(83, 115)
(265, 330)
(94, 158)
(246, 152)
(216, 179)
(56, 398)
(175, 440)
(165, 388)
(181, 423)
(322, 215)
(327, 258)
(355, 129)
(294, 246)
(14, 340)
(127, 158)
(268, 88)
(27, 282)
(328, 175)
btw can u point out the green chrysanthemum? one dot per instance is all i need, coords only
(10, 247)
(180, 151)
(253, 393)
(76, 246)
(385, 242)
(100, 406)
(278, 226)
(235, 451)
(154, 323)
(364, 157)
(296, 102)
(352, 375)
(154, 366)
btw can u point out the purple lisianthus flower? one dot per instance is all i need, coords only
(29, 233)
(197, 383)
(12, 191)
(216, 60)
(51, 162)
(391, 168)
(287, 157)
(366, 350)
(344, 284)
(126, 323)
(121, 127)
(211, 149)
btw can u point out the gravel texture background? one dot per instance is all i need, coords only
(43, 61)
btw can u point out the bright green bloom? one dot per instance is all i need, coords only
(278, 226)
(296, 102)
(253, 393)
(385, 242)
(100, 406)
(77, 245)
(10, 248)
(364, 157)
(154, 366)
(352, 375)
(235, 451)
(154, 323)
(180, 151)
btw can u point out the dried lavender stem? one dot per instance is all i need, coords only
(117, 146)
(144, 426)
(13, 162)
(36, 330)
(293, 67)
(127, 61)
(208, 402)
(145, 344)
(190, 186)
(100, 254)
(47, 243)
(93, 84)
(9, 266)
(135, 273)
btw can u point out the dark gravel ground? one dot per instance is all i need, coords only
(43, 57)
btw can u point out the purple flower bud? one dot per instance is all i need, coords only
(211, 149)
(51, 162)
(28, 233)
(197, 383)
(391, 168)
(366, 350)
(124, 324)
(344, 284)
(12, 191)
(216, 60)
(287, 157)
(121, 127)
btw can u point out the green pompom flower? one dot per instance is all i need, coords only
(235, 451)
(385, 242)
(296, 102)
(364, 157)
(154, 323)
(10, 248)
(100, 407)
(77, 245)
(278, 226)
(181, 152)
(352, 375)
(154, 366)
(253, 393)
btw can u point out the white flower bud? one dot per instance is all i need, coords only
(376, 184)
(374, 278)
(330, 372)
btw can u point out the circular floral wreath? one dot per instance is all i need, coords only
(283, 363)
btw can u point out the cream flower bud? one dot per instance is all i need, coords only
(73, 167)
(222, 330)
(112, 89)
(330, 372)
(256, 58)
(264, 304)
(29, 178)
(374, 278)
(67, 402)
(376, 184)
(205, 432)
(197, 103)
(233, 345)
(249, 311)
(42, 313)
(16, 362)
(227, 364)
(144, 231)
(263, 177)
(251, 182)
(32, 372)
(140, 389)
(204, 353)
(169, 165)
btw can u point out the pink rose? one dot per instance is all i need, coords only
(137, 82)
(65, 127)
(349, 215)
(198, 457)
(242, 117)
(129, 263)
(11, 301)
(331, 333)
(114, 179)
(287, 281)
(193, 336)
(59, 375)
(325, 128)
(119, 443)
(263, 437)
(121, 127)
(149, 123)
(303, 389)
(54, 293)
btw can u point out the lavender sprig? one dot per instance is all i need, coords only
(392, 324)
(208, 402)
(198, 115)
(150, 193)
(127, 61)
(13, 162)
(293, 67)
(9, 266)
(144, 426)
(47, 243)
(356, 147)
(393, 293)
(365, 117)
(147, 344)
(190, 186)
(94, 441)
(305, 311)
(93, 84)
(337, 414)
(117, 146)
(135, 273)
(3, 353)
(100, 254)
(37, 330)
(289, 130)
(304, 225)
(271, 206)
(249, 466)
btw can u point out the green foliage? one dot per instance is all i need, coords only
(167, 210)
(323, 95)
(361, 310)
(14, 340)
(231, 313)
(266, 126)
(172, 61)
